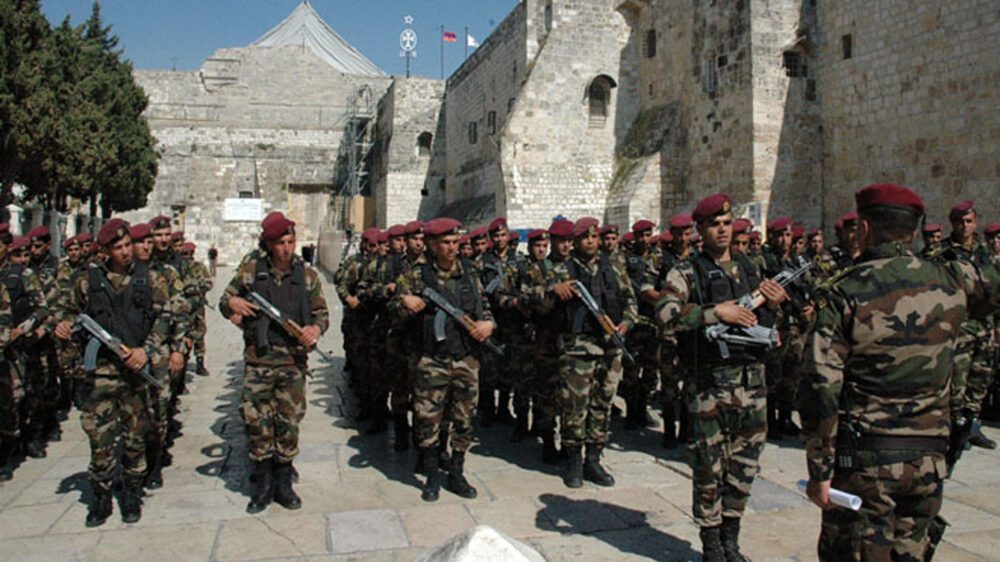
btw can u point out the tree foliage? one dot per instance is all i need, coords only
(79, 130)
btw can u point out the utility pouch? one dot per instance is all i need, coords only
(848, 438)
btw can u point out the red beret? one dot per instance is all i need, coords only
(609, 228)
(161, 221)
(932, 227)
(277, 226)
(443, 226)
(814, 232)
(641, 225)
(94, 247)
(562, 228)
(414, 227)
(992, 228)
(112, 231)
(464, 240)
(177, 235)
(515, 236)
(383, 237)
(67, 243)
(742, 226)
(370, 234)
(396, 230)
(586, 225)
(189, 247)
(713, 205)
(140, 231)
(960, 210)
(847, 218)
(19, 242)
(780, 224)
(538, 234)
(478, 233)
(683, 220)
(84, 238)
(755, 235)
(39, 232)
(890, 195)
(798, 231)
(497, 224)
(667, 237)
(629, 237)
(655, 239)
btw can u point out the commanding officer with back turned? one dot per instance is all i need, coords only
(274, 385)
(726, 393)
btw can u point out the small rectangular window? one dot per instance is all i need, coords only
(847, 43)
(246, 195)
(473, 132)
(710, 80)
(723, 61)
(792, 63)
(491, 123)
(650, 44)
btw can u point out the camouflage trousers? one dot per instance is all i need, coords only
(729, 422)
(783, 369)
(397, 368)
(980, 375)
(900, 500)
(443, 386)
(639, 380)
(70, 358)
(540, 385)
(970, 360)
(10, 399)
(198, 331)
(157, 404)
(41, 392)
(115, 410)
(587, 385)
(670, 379)
(273, 404)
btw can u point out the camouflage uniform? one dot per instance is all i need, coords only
(670, 380)
(346, 280)
(114, 410)
(199, 328)
(273, 399)
(69, 354)
(725, 397)
(8, 401)
(191, 296)
(639, 380)
(876, 381)
(43, 364)
(494, 272)
(519, 335)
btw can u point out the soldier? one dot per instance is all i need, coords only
(726, 395)
(845, 251)
(609, 239)
(273, 399)
(203, 279)
(741, 236)
(346, 280)
(133, 302)
(43, 363)
(446, 377)
(873, 398)
(590, 364)
(480, 241)
(641, 378)
(826, 266)
(177, 241)
(465, 247)
(932, 237)
(756, 244)
(972, 358)
(991, 409)
(67, 352)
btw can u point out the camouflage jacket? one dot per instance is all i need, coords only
(348, 275)
(240, 286)
(6, 322)
(585, 342)
(825, 267)
(881, 352)
(190, 285)
(203, 278)
(34, 291)
(168, 330)
(379, 274)
(677, 310)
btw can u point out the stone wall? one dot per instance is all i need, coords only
(916, 103)
(263, 121)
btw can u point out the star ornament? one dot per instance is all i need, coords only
(408, 20)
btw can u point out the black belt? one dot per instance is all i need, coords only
(897, 442)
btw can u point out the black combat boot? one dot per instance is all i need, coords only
(100, 508)
(34, 443)
(457, 484)
(573, 476)
(788, 427)
(6, 458)
(200, 368)
(711, 545)
(521, 430)
(401, 426)
(284, 495)
(669, 429)
(380, 419)
(487, 409)
(632, 419)
(432, 486)
(592, 469)
(550, 454)
(978, 439)
(129, 502)
(503, 409)
(262, 486)
(731, 539)
(442, 449)
(154, 472)
(773, 426)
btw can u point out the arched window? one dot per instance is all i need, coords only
(598, 100)
(424, 141)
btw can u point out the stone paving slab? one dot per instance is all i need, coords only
(361, 500)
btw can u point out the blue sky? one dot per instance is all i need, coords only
(163, 34)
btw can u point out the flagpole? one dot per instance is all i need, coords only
(442, 52)
(466, 42)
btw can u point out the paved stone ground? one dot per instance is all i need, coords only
(362, 502)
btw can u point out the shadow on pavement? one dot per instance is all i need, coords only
(229, 459)
(78, 482)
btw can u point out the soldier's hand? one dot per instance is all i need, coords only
(481, 330)
(732, 313)
(391, 287)
(622, 329)
(774, 294)
(565, 291)
(819, 493)
(352, 301)
(808, 312)
(309, 336)
(64, 330)
(39, 332)
(136, 358)
(16, 333)
(413, 303)
(176, 362)
(236, 319)
(242, 306)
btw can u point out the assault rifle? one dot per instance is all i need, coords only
(603, 320)
(101, 337)
(286, 323)
(494, 283)
(753, 336)
(446, 309)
